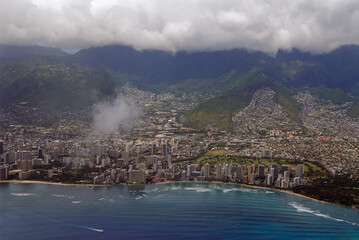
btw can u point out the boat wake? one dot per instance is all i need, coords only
(301, 208)
(89, 228)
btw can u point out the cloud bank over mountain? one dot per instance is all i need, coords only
(174, 25)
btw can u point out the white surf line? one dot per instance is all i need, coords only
(23, 194)
(301, 208)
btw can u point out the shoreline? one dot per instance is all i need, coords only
(53, 183)
(265, 188)
(254, 186)
(169, 182)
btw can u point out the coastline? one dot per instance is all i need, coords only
(169, 182)
(264, 188)
(52, 183)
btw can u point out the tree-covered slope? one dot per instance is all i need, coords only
(52, 85)
(219, 111)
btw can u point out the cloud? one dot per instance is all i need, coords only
(173, 25)
(110, 116)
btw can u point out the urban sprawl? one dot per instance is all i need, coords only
(265, 147)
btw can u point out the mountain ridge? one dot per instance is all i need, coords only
(231, 73)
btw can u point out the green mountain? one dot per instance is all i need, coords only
(219, 111)
(52, 85)
(80, 79)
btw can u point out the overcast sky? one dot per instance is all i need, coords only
(173, 25)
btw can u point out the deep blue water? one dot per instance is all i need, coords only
(169, 211)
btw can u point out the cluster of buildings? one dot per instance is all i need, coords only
(159, 147)
(136, 164)
(264, 117)
(324, 118)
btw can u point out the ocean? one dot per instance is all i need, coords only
(167, 211)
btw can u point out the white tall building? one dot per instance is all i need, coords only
(169, 160)
(189, 170)
(206, 170)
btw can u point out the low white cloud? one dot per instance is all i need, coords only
(173, 25)
(113, 115)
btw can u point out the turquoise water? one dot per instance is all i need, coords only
(168, 211)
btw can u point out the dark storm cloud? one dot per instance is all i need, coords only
(172, 25)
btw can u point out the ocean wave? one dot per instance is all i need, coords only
(141, 196)
(76, 202)
(269, 192)
(225, 190)
(153, 190)
(22, 194)
(58, 195)
(198, 189)
(301, 208)
(62, 196)
(106, 199)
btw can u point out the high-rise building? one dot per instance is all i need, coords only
(13, 156)
(299, 171)
(25, 165)
(6, 158)
(164, 148)
(272, 172)
(39, 153)
(153, 148)
(286, 175)
(285, 168)
(225, 170)
(239, 173)
(261, 170)
(297, 181)
(136, 176)
(275, 173)
(169, 160)
(128, 147)
(218, 169)
(250, 169)
(252, 178)
(199, 165)
(24, 155)
(4, 172)
(1, 147)
(206, 170)
(269, 179)
(189, 170)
